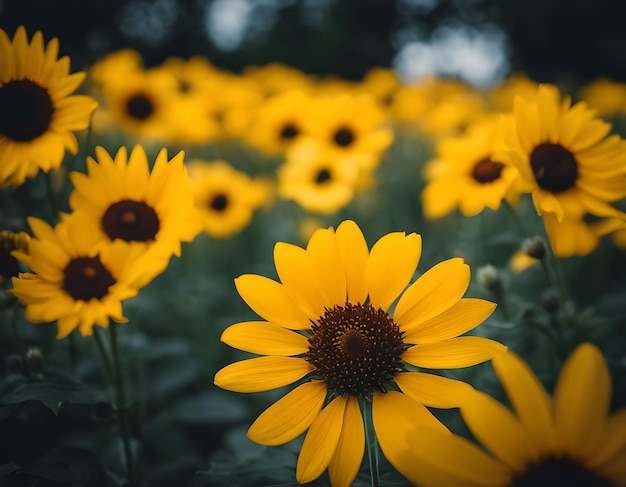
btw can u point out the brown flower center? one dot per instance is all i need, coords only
(554, 472)
(487, 171)
(356, 349)
(139, 106)
(130, 221)
(289, 131)
(25, 110)
(219, 202)
(343, 137)
(86, 278)
(323, 176)
(554, 167)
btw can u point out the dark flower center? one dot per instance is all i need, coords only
(289, 131)
(86, 278)
(554, 167)
(139, 106)
(25, 110)
(130, 221)
(554, 472)
(487, 171)
(343, 137)
(356, 349)
(323, 176)
(219, 202)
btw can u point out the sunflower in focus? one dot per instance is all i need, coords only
(329, 327)
(467, 174)
(77, 278)
(126, 200)
(316, 180)
(571, 439)
(565, 156)
(225, 197)
(37, 113)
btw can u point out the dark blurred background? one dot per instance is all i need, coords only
(479, 40)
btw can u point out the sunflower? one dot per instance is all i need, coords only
(565, 157)
(37, 113)
(316, 180)
(77, 278)
(329, 326)
(350, 124)
(605, 96)
(126, 200)
(571, 440)
(466, 173)
(225, 197)
(279, 122)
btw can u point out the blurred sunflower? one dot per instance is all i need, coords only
(570, 440)
(225, 197)
(316, 180)
(349, 124)
(10, 241)
(466, 173)
(565, 157)
(77, 278)
(501, 96)
(126, 200)
(605, 96)
(328, 323)
(37, 113)
(276, 78)
(279, 122)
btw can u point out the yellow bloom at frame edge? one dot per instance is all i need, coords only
(570, 440)
(328, 322)
(37, 114)
(78, 279)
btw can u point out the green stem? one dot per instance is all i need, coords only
(370, 441)
(122, 407)
(106, 361)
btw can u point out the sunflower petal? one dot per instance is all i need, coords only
(290, 416)
(261, 373)
(354, 254)
(346, 462)
(321, 441)
(454, 353)
(433, 390)
(324, 254)
(264, 338)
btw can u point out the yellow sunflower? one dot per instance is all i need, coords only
(565, 156)
(349, 124)
(571, 440)
(316, 180)
(128, 201)
(77, 278)
(329, 327)
(605, 96)
(225, 197)
(466, 173)
(37, 113)
(279, 122)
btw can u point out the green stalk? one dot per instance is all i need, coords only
(370, 441)
(122, 408)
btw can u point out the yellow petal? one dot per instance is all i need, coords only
(453, 353)
(261, 373)
(395, 414)
(529, 399)
(612, 448)
(321, 441)
(498, 430)
(463, 316)
(390, 267)
(264, 338)
(433, 390)
(436, 459)
(437, 290)
(346, 462)
(581, 400)
(268, 299)
(290, 416)
(327, 266)
(296, 272)
(354, 254)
